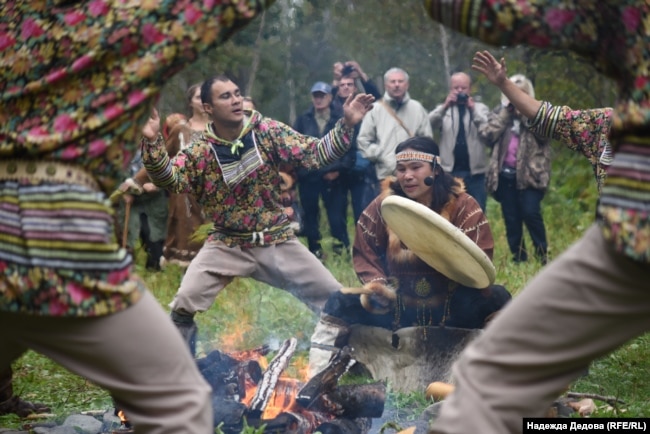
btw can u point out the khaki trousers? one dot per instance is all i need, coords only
(580, 307)
(136, 354)
(289, 266)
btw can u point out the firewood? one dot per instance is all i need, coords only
(266, 387)
(326, 380)
(288, 423)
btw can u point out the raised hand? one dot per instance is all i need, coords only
(495, 71)
(356, 107)
(151, 129)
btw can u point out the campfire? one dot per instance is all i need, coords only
(246, 392)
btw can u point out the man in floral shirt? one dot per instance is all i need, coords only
(594, 297)
(234, 172)
(77, 81)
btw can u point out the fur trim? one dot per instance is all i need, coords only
(382, 289)
(373, 308)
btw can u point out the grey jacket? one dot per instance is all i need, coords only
(446, 122)
(380, 133)
(533, 153)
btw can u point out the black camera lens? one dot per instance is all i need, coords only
(347, 70)
(462, 98)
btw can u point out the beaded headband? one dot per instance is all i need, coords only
(417, 156)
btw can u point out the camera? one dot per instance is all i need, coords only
(462, 98)
(347, 70)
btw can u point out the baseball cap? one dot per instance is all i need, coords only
(321, 86)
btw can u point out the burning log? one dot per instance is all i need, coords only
(285, 405)
(326, 380)
(292, 423)
(270, 378)
(228, 375)
(229, 414)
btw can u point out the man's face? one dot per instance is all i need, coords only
(226, 106)
(460, 83)
(396, 85)
(346, 87)
(321, 100)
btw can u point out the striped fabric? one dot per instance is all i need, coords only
(58, 239)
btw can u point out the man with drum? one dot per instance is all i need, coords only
(426, 284)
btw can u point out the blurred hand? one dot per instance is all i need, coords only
(337, 70)
(152, 128)
(356, 107)
(495, 71)
(149, 187)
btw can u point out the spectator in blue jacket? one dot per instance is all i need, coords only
(325, 183)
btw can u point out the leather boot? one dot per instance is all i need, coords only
(330, 335)
(187, 327)
(10, 403)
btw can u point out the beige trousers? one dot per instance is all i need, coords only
(289, 266)
(580, 307)
(136, 354)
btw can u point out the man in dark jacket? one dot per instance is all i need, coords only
(327, 181)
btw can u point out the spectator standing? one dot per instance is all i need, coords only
(360, 179)
(585, 131)
(233, 171)
(77, 81)
(395, 118)
(185, 214)
(519, 173)
(462, 150)
(147, 216)
(327, 182)
(594, 297)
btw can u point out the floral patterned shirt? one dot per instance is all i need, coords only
(239, 191)
(585, 131)
(615, 35)
(77, 81)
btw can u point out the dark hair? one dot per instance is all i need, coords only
(206, 87)
(189, 94)
(443, 183)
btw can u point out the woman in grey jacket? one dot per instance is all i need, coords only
(518, 173)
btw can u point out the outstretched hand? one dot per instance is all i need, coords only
(151, 129)
(495, 71)
(356, 107)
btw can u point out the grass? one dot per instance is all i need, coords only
(248, 314)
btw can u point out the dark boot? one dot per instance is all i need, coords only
(10, 403)
(154, 253)
(186, 325)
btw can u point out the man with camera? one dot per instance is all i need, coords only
(462, 151)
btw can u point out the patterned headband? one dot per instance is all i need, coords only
(417, 156)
